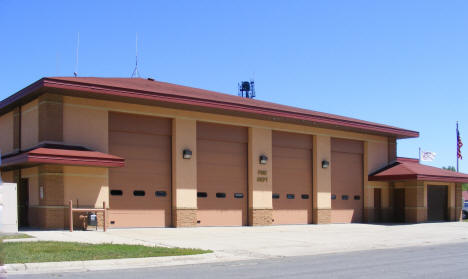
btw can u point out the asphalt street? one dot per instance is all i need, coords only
(440, 261)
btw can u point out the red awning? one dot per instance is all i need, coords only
(411, 169)
(62, 157)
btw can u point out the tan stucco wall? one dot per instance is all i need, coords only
(29, 124)
(85, 125)
(184, 171)
(260, 176)
(88, 185)
(214, 118)
(377, 155)
(322, 177)
(6, 131)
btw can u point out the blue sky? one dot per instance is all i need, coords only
(402, 63)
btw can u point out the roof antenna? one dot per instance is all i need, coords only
(77, 49)
(136, 73)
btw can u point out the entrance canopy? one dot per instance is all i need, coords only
(411, 169)
(60, 154)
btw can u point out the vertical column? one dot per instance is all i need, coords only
(51, 210)
(322, 180)
(16, 129)
(451, 201)
(415, 202)
(260, 177)
(369, 210)
(392, 149)
(50, 118)
(458, 201)
(184, 173)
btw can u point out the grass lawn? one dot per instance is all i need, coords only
(14, 236)
(52, 251)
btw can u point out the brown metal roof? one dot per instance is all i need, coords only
(149, 90)
(409, 169)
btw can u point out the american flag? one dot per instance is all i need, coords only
(459, 144)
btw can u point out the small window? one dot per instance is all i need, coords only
(202, 194)
(112, 222)
(238, 195)
(305, 196)
(139, 193)
(161, 193)
(357, 197)
(116, 192)
(275, 196)
(333, 197)
(344, 197)
(221, 195)
(290, 196)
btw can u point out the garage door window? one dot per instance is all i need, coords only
(238, 195)
(202, 194)
(116, 192)
(275, 196)
(221, 195)
(161, 193)
(344, 197)
(305, 196)
(139, 193)
(290, 196)
(357, 197)
(333, 197)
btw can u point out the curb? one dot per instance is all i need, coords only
(129, 263)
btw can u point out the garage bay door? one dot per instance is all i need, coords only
(221, 175)
(437, 203)
(292, 178)
(140, 192)
(347, 181)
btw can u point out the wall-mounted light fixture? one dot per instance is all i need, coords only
(187, 154)
(263, 159)
(325, 164)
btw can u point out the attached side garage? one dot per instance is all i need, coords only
(292, 178)
(222, 175)
(347, 181)
(422, 193)
(140, 192)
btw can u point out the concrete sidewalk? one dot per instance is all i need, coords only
(244, 243)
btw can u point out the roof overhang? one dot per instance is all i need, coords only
(41, 155)
(270, 112)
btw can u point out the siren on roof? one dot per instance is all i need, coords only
(246, 89)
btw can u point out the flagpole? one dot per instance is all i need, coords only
(457, 146)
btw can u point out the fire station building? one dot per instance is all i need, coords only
(165, 155)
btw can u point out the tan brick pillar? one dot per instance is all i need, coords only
(458, 201)
(184, 173)
(50, 118)
(260, 177)
(51, 212)
(322, 180)
(415, 202)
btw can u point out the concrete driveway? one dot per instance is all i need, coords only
(277, 241)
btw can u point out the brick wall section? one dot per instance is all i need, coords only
(50, 118)
(322, 216)
(51, 179)
(458, 202)
(260, 217)
(47, 218)
(184, 218)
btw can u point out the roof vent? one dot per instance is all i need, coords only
(150, 79)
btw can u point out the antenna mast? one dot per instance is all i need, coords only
(77, 50)
(136, 73)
